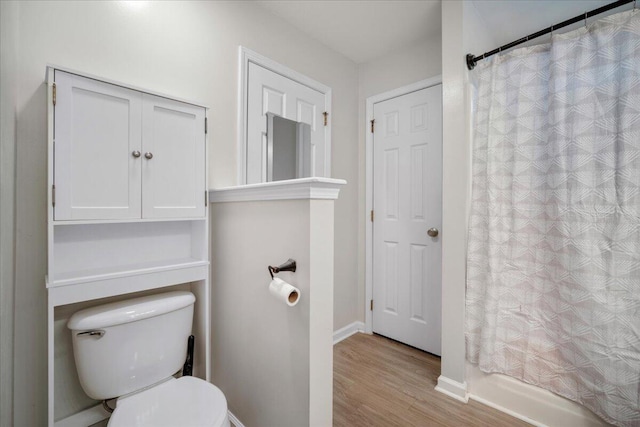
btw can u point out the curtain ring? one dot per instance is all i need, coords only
(585, 19)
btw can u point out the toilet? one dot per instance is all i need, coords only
(131, 350)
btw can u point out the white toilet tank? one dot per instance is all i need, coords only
(128, 345)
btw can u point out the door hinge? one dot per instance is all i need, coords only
(206, 198)
(371, 215)
(326, 118)
(54, 94)
(206, 126)
(53, 195)
(371, 305)
(373, 124)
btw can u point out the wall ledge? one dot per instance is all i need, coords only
(302, 188)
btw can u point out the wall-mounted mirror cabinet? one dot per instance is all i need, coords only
(288, 148)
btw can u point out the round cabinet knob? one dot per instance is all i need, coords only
(148, 156)
(433, 232)
(136, 154)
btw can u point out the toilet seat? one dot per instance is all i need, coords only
(185, 402)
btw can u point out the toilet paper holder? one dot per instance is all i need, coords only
(289, 265)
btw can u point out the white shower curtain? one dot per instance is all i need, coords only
(553, 282)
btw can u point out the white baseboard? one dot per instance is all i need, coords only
(453, 389)
(347, 331)
(234, 420)
(506, 411)
(87, 417)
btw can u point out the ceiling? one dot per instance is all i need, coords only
(362, 30)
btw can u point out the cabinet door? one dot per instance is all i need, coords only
(97, 132)
(173, 170)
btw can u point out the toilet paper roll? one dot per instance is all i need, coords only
(284, 292)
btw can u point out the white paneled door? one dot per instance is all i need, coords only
(97, 130)
(270, 92)
(173, 159)
(407, 202)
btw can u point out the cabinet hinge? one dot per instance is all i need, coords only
(371, 215)
(54, 94)
(373, 124)
(53, 195)
(206, 198)
(206, 126)
(371, 305)
(326, 118)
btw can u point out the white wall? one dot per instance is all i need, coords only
(187, 49)
(413, 63)
(8, 89)
(455, 154)
(463, 31)
(273, 362)
(408, 65)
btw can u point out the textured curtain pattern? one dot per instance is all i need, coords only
(553, 285)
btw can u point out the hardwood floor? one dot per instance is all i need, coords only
(380, 382)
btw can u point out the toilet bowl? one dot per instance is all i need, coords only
(131, 350)
(185, 402)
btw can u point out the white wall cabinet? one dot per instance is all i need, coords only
(123, 154)
(127, 212)
(97, 127)
(173, 181)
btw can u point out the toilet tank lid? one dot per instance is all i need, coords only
(131, 310)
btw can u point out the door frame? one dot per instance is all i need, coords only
(246, 56)
(371, 101)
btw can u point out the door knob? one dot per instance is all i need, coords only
(136, 154)
(148, 156)
(433, 232)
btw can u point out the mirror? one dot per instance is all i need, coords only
(288, 149)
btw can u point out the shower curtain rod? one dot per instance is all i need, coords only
(472, 60)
